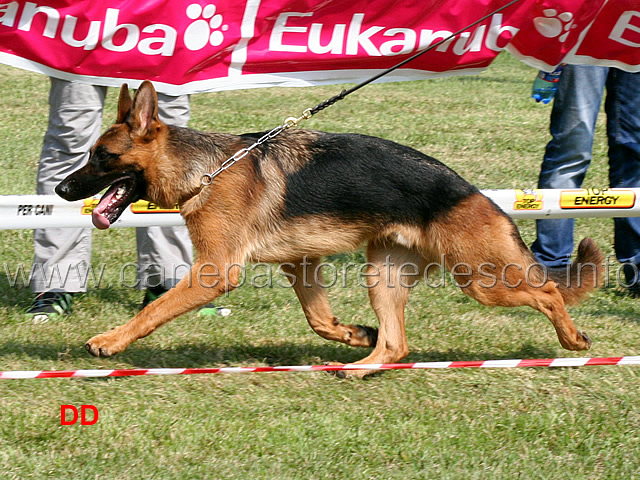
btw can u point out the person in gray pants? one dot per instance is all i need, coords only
(62, 256)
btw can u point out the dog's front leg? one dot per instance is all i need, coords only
(315, 304)
(204, 283)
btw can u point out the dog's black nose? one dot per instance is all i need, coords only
(62, 189)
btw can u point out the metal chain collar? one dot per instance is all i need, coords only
(207, 178)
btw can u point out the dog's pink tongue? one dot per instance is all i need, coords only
(97, 216)
(100, 221)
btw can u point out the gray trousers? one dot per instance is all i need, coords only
(63, 255)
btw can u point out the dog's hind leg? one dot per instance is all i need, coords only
(549, 301)
(204, 283)
(392, 271)
(544, 297)
(491, 263)
(304, 277)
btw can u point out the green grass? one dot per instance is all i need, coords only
(572, 423)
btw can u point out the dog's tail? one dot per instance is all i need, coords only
(584, 275)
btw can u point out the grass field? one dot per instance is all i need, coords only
(571, 423)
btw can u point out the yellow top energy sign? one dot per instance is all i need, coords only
(597, 198)
(141, 206)
(528, 199)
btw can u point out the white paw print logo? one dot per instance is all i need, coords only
(554, 25)
(206, 28)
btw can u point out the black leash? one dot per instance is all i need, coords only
(207, 178)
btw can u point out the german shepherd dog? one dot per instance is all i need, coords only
(307, 194)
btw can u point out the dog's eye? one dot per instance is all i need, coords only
(102, 158)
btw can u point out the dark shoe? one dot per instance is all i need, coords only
(151, 294)
(633, 291)
(48, 305)
(154, 293)
(632, 284)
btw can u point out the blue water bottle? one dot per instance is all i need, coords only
(545, 85)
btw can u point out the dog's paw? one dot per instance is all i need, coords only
(336, 373)
(345, 374)
(105, 345)
(360, 335)
(586, 341)
(368, 335)
(581, 342)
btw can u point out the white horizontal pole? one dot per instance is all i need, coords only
(569, 203)
(45, 211)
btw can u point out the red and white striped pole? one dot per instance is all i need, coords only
(542, 362)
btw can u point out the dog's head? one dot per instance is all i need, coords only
(119, 158)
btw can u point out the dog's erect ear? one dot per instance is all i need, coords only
(144, 119)
(124, 103)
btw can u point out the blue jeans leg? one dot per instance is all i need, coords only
(623, 129)
(568, 154)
